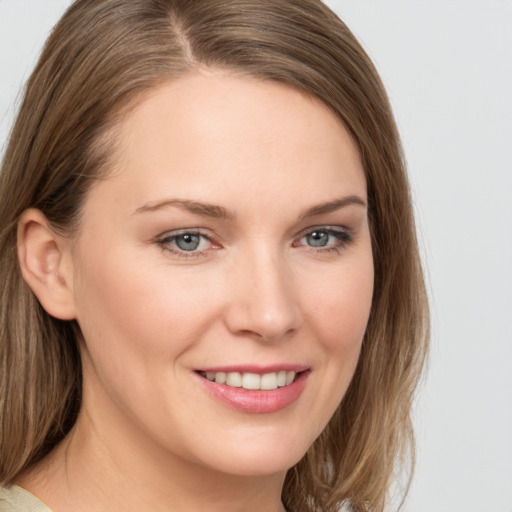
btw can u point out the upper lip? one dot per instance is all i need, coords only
(253, 368)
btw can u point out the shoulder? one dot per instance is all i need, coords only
(17, 499)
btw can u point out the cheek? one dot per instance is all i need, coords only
(339, 313)
(341, 306)
(134, 321)
(137, 323)
(117, 293)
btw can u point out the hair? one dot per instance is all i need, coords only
(100, 59)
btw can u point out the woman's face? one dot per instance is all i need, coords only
(230, 243)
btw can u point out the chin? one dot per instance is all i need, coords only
(258, 466)
(257, 457)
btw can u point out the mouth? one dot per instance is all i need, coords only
(255, 390)
(252, 381)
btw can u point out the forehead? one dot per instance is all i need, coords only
(213, 136)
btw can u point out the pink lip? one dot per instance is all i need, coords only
(256, 368)
(256, 401)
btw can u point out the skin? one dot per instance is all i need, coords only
(149, 436)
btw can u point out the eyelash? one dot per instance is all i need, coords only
(342, 236)
(168, 239)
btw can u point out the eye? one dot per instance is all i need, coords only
(324, 238)
(186, 243)
(318, 238)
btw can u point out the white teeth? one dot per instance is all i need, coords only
(220, 378)
(269, 381)
(234, 379)
(252, 381)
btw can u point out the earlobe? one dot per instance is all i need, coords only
(44, 258)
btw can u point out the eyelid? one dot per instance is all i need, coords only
(343, 235)
(184, 231)
(340, 230)
(177, 232)
(165, 239)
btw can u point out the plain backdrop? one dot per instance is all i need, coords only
(447, 65)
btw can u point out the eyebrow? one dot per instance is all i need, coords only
(219, 212)
(334, 205)
(203, 209)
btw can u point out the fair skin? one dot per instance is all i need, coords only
(232, 237)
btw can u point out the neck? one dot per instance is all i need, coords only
(89, 471)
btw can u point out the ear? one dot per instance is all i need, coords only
(46, 264)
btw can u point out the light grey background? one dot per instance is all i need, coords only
(447, 65)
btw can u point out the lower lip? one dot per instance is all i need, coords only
(257, 401)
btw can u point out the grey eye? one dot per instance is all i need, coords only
(317, 238)
(187, 241)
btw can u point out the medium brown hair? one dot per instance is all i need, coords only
(101, 57)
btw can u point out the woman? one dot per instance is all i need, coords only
(213, 298)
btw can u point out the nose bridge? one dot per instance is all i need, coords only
(264, 302)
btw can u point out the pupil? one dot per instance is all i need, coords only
(318, 239)
(188, 242)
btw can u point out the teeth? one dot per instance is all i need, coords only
(219, 377)
(269, 381)
(234, 379)
(253, 381)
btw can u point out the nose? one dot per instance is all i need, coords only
(263, 301)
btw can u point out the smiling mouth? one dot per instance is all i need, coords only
(255, 390)
(252, 381)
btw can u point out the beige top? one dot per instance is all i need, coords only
(16, 499)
